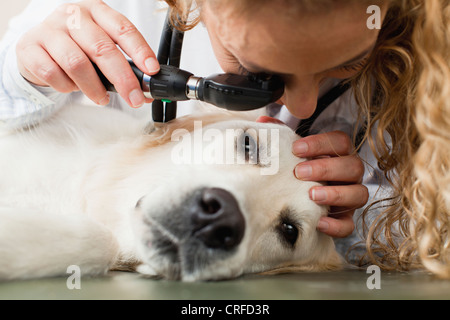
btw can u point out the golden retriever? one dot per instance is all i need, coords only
(207, 197)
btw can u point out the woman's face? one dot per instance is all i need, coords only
(305, 49)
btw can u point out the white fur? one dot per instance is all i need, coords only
(69, 188)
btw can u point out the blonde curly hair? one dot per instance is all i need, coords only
(410, 65)
(403, 90)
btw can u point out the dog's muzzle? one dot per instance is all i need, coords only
(206, 227)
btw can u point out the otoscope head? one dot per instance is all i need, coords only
(227, 91)
(239, 92)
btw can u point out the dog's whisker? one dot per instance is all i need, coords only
(163, 231)
(182, 262)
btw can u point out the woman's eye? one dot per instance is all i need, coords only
(261, 76)
(242, 70)
(289, 233)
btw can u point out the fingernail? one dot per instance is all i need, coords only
(137, 98)
(300, 148)
(323, 226)
(105, 100)
(303, 172)
(152, 65)
(318, 195)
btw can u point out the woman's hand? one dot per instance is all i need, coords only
(333, 161)
(59, 51)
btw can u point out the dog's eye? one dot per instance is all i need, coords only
(250, 149)
(247, 149)
(289, 232)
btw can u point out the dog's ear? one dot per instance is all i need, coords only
(324, 258)
(334, 262)
(163, 132)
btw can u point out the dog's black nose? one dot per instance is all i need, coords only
(218, 220)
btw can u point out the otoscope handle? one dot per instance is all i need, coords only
(168, 84)
(109, 86)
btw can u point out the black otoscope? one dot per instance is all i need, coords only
(171, 84)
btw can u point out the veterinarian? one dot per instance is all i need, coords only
(399, 102)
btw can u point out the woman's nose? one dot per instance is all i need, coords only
(301, 98)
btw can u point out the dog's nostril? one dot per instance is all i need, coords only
(224, 237)
(210, 206)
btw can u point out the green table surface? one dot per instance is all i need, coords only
(350, 284)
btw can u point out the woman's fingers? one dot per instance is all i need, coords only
(348, 169)
(127, 36)
(103, 51)
(266, 119)
(76, 64)
(42, 70)
(340, 226)
(111, 62)
(351, 196)
(63, 53)
(332, 161)
(333, 144)
(344, 200)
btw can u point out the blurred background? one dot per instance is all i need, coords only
(9, 9)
